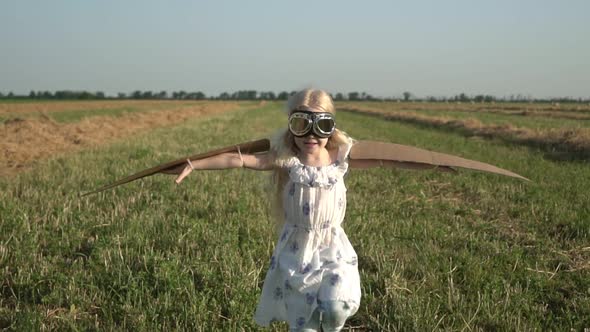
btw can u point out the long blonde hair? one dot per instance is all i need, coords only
(283, 143)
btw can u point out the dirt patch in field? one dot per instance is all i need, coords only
(23, 142)
(561, 143)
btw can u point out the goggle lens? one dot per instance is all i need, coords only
(299, 125)
(326, 125)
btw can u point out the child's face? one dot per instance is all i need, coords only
(310, 144)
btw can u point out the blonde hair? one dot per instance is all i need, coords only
(283, 143)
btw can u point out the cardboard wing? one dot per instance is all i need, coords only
(261, 145)
(402, 155)
(419, 158)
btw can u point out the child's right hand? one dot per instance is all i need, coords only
(185, 172)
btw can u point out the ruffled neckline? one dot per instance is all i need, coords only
(316, 176)
(335, 163)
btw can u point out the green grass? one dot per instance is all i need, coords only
(436, 251)
(77, 115)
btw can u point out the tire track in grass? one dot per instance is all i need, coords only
(530, 113)
(558, 143)
(533, 108)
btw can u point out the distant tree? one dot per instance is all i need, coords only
(196, 95)
(99, 95)
(136, 94)
(268, 95)
(10, 95)
(60, 94)
(353, 96)
(121, 95)
(179, 94)
(1, 95)
(407, 95)
(283, 95)
(32, 94)
(339, 97)
(224, 96)
(162, 95)
(244, 95)
(463, 97)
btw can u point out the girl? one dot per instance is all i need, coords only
(313, 276)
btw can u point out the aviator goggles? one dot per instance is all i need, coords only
(304, 123)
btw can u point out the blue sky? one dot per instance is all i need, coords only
(537, 48)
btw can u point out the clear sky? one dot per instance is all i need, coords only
(538, 48)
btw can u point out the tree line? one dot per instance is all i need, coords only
(270, 95)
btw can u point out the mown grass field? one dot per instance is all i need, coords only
(534, 116)
(74, 111)
(470, 251)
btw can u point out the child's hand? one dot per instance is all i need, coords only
(185, 172)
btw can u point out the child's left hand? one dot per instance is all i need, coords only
(185, 172)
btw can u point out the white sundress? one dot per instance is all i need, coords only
(313, 260)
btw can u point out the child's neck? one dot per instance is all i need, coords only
(319, 158)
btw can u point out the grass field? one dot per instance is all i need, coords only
(75, 111)
(525, 115)
(470, 251)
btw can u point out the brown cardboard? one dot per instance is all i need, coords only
(261, 145)
(419, 158)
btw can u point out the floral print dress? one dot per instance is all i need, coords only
(313, 260)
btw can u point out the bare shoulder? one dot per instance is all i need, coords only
(334, 154)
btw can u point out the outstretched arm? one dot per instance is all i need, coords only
(178, 166)
(261, 162)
